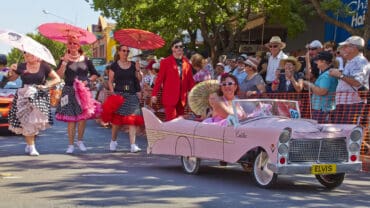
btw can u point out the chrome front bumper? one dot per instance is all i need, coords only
(305, 168)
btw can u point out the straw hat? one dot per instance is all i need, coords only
(292, 59)
(198, 96)
(276, 40)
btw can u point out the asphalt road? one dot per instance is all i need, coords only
(99, 178)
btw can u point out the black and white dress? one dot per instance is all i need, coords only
(30, 111)
(76, 101)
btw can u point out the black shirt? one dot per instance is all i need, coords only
(38, 78)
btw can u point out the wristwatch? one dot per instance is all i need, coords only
(341, 76)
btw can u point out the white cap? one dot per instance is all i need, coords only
(156, 65)
(354, 40)
(220, 64)
(315, 44)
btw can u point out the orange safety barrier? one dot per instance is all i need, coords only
(310, 106)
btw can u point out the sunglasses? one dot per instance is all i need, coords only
(125, 51)
(72, 43)
(273, 46)
(312, 49)
(227, 84)
(179, 46)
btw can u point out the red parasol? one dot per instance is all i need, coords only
(140, 39)
(61, 31)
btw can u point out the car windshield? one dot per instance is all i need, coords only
(254, 108)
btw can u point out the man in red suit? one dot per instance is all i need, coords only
(176, 78)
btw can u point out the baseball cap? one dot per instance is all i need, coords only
(354, 40)
(3, 60)
(220, 64)
(242, 57)
(315, 44)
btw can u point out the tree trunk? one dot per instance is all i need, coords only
(366, 35)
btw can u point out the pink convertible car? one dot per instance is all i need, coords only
(271, 139)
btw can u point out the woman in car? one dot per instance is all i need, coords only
(221, 102)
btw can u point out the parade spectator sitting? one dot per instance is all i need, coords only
(323, 91)
(331, 47)
(289, 79)
(219, 70)
(353, 78)
(311, 71)
(198, 62)
(262, 58)
(227, 64)
(4, 82)
(253, 84)
(239, 72)
(276, 46)
(232, 65)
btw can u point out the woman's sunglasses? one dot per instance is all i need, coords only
(227, 83)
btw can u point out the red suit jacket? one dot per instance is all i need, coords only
(169, 78)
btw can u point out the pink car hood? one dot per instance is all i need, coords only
(302, 128)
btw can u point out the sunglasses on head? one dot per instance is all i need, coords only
(227, 83)
(312, 49)
(273, 46)
(125, 51)
(178, 46)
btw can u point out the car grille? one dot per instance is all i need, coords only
(323, 150)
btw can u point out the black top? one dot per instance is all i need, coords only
(38, 78)
(285, 86)
(125, 79)
(80, 70)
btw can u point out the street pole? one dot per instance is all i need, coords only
(65, 19)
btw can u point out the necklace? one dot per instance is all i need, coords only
(123, 64)
(74, 57)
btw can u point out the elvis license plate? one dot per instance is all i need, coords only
(323, 169)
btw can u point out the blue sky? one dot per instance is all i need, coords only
(24, 16)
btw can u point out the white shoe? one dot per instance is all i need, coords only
(113, 145)
(81, 146)
(33, 151)
(135, 148)
(27, 149)
(70, 149)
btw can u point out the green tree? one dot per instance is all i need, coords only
(221, 21)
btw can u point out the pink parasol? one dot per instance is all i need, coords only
(61, 31)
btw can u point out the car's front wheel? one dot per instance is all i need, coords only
(190, 164)
(331, 180)
(261, 174)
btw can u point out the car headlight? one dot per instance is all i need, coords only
(356, 134)
(283, 149)
(285, 135)
(354, 147)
